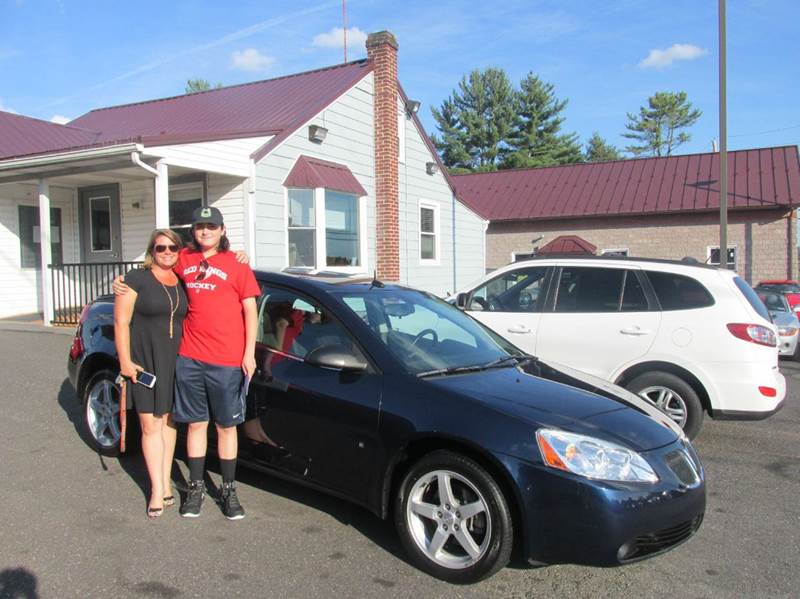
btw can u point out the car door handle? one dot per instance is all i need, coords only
(636, 332)
(520, 329)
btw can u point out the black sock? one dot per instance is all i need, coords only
(228, 470)
(197, 467)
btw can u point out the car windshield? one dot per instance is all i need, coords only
(781, 287)
(426, 334)
(774, 302)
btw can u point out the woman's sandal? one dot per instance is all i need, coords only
(154, 512)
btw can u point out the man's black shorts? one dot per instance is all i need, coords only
(204, 391)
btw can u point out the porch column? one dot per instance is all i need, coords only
(46, 253)
(162, 195)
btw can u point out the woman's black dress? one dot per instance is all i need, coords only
(151, 346)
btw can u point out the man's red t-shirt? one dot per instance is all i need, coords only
(213, 331)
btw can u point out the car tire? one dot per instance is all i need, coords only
(672, 395)
(100, 414)
(468, 548)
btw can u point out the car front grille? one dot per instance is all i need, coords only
(656, 542)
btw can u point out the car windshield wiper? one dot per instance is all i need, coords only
(498, 363)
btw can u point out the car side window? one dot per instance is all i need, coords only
(633, 296)
(294, 325)
(592, 289)
(519, 290)
(679, 292)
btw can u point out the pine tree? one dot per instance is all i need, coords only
(536, 139)
(199, 85)
(476, 120)
(598, 150)
(658, 126)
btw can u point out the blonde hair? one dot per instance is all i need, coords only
(148, 253)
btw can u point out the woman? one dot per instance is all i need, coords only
(148, 326)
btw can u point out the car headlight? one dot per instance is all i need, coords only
(592, 458)
(787, 331)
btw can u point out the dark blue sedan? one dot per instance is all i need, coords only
(400, 402)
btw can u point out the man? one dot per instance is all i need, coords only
(216, 357)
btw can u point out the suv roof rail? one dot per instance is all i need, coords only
(685, 261)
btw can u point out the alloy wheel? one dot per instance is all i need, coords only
(668, 401)
(449, 519)
(102, 413)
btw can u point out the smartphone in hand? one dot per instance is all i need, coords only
(145, 378)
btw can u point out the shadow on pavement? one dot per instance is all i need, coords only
(17, 583)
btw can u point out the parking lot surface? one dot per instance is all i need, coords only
(73, 523)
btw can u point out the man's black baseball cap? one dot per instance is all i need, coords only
(206, 214)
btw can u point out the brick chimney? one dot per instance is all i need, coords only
(382, 54)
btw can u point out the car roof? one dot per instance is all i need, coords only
(313, 280)
(688, 261)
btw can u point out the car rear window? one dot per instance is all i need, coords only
(752, 297)
(679, 292)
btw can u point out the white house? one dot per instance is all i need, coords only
(327, 169)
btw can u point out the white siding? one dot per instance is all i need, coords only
(136, 223)
(20, 288)
(461, 234)
(228, 194)
(349, 142)
(230, 156)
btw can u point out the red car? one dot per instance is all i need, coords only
(790, 290)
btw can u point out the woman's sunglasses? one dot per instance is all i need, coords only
(160, 249)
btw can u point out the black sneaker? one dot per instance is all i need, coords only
(194, 499)
(229, 501)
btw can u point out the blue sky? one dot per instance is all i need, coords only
(61, 58)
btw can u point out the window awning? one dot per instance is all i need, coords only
(312, 172)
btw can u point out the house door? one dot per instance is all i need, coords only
(101, 239)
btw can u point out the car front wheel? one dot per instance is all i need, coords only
(673, 396)
(453, 519)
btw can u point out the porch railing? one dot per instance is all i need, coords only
(76, 284)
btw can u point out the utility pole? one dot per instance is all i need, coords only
(723, 144)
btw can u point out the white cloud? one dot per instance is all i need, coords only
(658, 59)
(60, 119)
(335, 38)
(5, 108)
(251, 60)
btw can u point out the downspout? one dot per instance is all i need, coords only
(137, 160)
(251, 215)
(160, 188)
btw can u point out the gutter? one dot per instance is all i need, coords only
(136, 157)
(50, 159)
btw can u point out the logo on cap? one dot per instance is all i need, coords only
(205, 213)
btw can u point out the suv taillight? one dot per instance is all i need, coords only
(755, 333)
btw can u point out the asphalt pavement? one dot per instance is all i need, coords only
(73, 523)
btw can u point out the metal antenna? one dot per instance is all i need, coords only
(344, 22)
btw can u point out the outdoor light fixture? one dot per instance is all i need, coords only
(431, 168)
(412, 106)
(317, 133)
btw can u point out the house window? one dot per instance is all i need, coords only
(713, 256)
(183, 199)
(429, 233)
(30, 245)
(301, 228)
(520, 256)
(100, 223)
(341, 229)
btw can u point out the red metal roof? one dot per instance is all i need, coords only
(759, 178)
(312, 172)
(568, 244)
(271, 107)
(21, 135)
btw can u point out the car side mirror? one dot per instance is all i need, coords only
(461, 301)
(336, 357)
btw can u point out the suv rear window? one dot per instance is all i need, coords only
(679, 292)
(752, 298)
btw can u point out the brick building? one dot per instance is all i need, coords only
(652, 207)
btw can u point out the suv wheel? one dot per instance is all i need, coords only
(674, 396)
(452, 518)
(101, 412)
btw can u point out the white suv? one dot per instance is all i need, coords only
(692, 339)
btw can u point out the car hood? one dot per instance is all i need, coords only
(569, 400)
